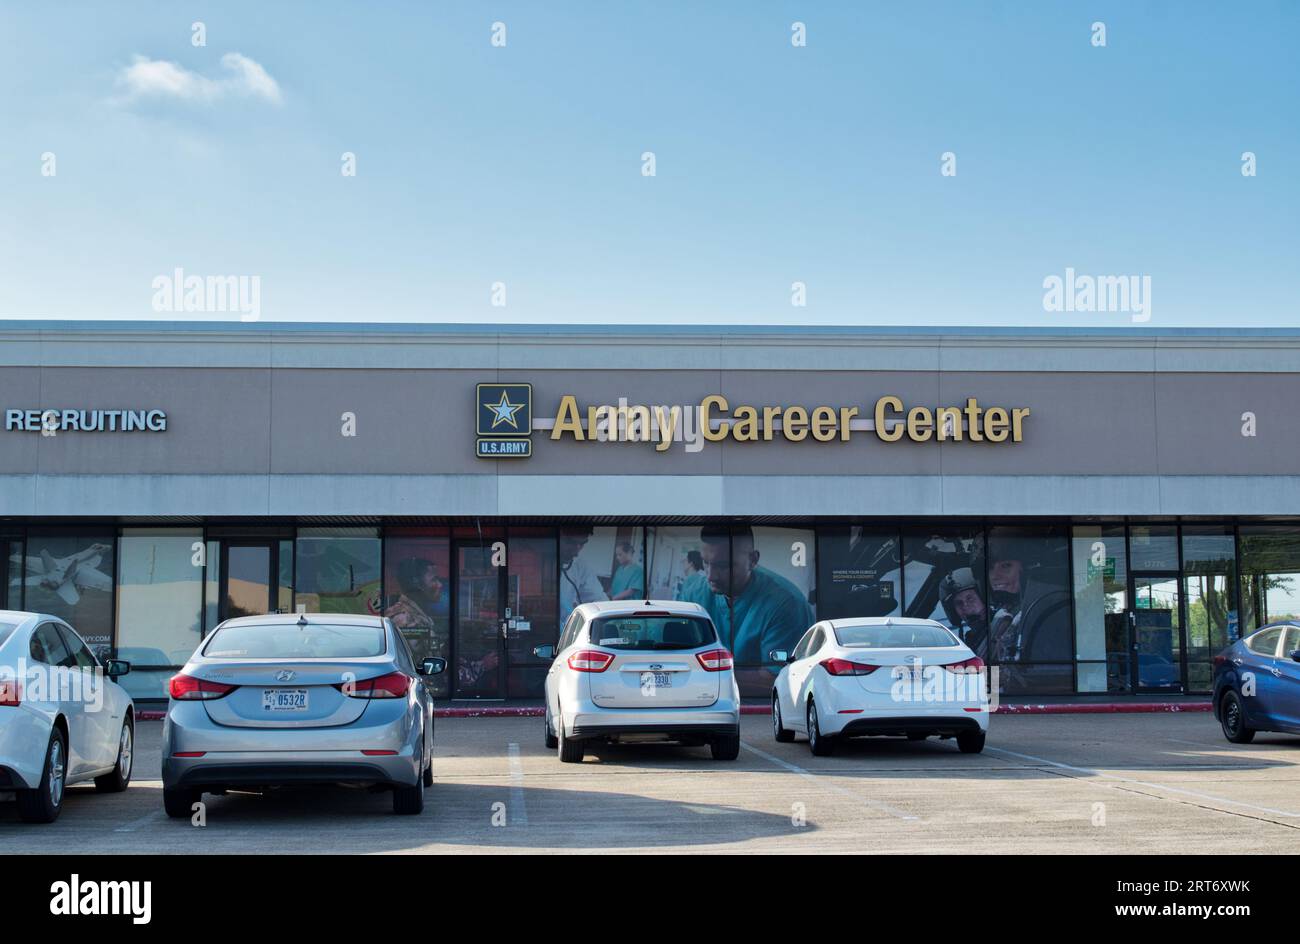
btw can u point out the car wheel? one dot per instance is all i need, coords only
(571, 751)
(1233, 715)
(779, 730)
(117, 779)
(971, 742)
(822, 745)
(427, 779)
(408, 801)
(179, 804)
(726, 747)
(44, 804)
(552, 742)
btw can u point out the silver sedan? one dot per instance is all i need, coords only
(268, 701)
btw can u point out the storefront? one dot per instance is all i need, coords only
(1094, 512)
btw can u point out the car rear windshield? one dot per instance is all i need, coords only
(893, 637)
(295, 641)
(646, 633)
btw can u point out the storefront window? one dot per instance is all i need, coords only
(861, 573)
(1153, 547)
(159, 605)
(13, 595)
(600, 564)
(417, 594)
(70, 575)
(1030, 635)
(1270, 574)
(677, 570)
(943, 576)
(1101, 608)
(337, 570)
(1210, 595)
(533, 616)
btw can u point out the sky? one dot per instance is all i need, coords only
(515, 173)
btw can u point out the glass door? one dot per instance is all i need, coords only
(249, 578)
(479, 621)
(1157, 633)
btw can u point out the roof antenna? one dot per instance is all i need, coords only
(302, 619)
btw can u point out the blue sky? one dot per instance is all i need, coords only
(775, 164)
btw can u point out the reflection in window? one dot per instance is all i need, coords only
(159, 605)
(1101, 609)
(337, 570)
(417, 594)
(71, 577)
(1270, 574)
(1210, 593)
(534, 609)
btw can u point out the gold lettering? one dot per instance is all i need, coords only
(1017, 415)
(706, 424)
(919, 422)
(846, 415)
(995, 424)
(973, 419)
(894, 404)
(567, 421)
(666, 420)
(770, 413)
(795, 424)
(948, 421)
(746, 428)
(823, 424)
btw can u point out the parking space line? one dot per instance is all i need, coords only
(518, 805)
(827, 785)
(1209, 797)
(135, 824)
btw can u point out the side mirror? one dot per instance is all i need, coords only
(779, 656)
(544, 652)
(433, 666)
(116, 668)
(1295, 655)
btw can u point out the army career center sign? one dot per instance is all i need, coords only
(506, 423)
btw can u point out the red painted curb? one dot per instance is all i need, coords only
(1085, 708)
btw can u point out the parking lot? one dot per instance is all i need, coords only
(1061, 784)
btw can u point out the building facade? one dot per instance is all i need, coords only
(1095, 512)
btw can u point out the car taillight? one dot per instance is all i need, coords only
(392, 685)
(11, 693)
(590, 660)
(973, 664)
(715, 660)
(188, 688)
(845, 667)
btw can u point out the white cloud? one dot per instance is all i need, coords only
(156, 79)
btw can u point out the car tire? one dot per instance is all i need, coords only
(779, 730)
(822, 745)
(1232, 714)
(552, 742)
(44, 804)
(179, 804)
(726, 747)
(427, 778)
(571, 751)
(119, 778)
(408, 801)
(971, 742)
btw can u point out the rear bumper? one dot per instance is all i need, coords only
(273, 769)
(689, 730)
(949, 726)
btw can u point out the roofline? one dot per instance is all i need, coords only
(298, 329)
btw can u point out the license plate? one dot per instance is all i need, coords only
(656, 680)
(284, 699)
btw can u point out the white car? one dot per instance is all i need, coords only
(880, 676)
(639, 671)
(63, 720)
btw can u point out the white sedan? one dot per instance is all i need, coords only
(880, 676)
(63, 719)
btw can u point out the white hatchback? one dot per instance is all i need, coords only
(63, 719)
(880, 676)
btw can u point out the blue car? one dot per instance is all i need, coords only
(1257, 683)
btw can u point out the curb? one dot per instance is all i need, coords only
(1095, 708)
